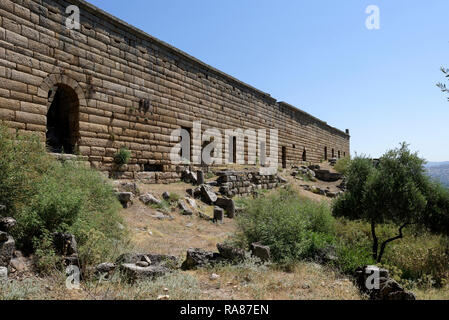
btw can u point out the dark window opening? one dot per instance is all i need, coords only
(304, 155)
(63, 121)
(325, 153)
(153, 168)
(188, 149)
(232, 149)
(339, 154)
(333, 153)
(284, 157)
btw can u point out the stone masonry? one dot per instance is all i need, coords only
(109, 86)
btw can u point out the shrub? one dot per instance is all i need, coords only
(122, 157)
(342, 165)
(294, 228)
(46, 196)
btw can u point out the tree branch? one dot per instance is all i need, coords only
(375, 240)
(384, 244)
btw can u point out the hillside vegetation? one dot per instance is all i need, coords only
(46, 196)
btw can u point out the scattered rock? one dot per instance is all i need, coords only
(197, 258)
(132, 187)
(142, 264)
(3, 274)
(191, 202)
(65, 244)
(200, 177)
(208, 195)
(282, 180)
(3, 236)
(6, 224)
(214, 276)
(261, 252)
(106, 267)
(133, 273)
(20, 264)
(327, 176)
(204, 216)
(125, 198)
(149, 199)
(7, 251)
(228, 205)
(160, 216)
(153, 259)
(166, 196)
(218, 214)
(185, 210)
(163, 297)
(230, 253)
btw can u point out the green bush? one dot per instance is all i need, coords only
(397, 191)
(46, 196)
(122, 157)
(294, 228)
(342, 165)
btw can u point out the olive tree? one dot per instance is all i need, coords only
(395, 190)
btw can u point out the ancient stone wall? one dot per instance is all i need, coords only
(244, 183)
(132, 91)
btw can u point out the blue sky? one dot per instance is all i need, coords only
(319, 56)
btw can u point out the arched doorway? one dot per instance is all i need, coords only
(62, 119)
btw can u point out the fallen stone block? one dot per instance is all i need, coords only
(154, 259)
(327, 176)
(228, 205)
(261, 252)
(149, 199)
(208, 195)
(166, 196)
(185, 210)
(197, 258)
(125, 199)
(106, 267)
(218, 214)
(133, 273)
(230, 253)
(6, 224)
(200, 177)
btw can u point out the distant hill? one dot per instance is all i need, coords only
(439, 171)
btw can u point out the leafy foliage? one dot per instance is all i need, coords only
(342, 165)
(122, 157)
(294, 228)
(397, 191)
(46, 196)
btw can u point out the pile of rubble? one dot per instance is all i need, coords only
(323, 192)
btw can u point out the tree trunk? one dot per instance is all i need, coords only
(375, 240)
(384, 244)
